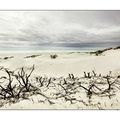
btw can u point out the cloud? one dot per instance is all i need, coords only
(40, 29)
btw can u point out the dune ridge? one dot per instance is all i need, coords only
(72, 80)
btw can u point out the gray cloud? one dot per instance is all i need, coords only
(47, 29)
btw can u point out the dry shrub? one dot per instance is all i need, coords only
(53, 56)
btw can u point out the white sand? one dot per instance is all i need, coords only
(65, 63)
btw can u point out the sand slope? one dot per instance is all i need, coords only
(65, 63)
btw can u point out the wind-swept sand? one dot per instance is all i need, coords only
(66, 62)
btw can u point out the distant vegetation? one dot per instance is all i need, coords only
(99, 52)
(32, 56)
(6, 58)
(53, 56)
(117, 48)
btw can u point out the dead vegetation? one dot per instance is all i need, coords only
(19, 85)
(32, 56)
(118, 47)
(53, 56)
(6, 58)
(99, 52)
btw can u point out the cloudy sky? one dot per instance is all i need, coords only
(34, 30)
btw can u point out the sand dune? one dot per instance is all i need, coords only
(66, 63)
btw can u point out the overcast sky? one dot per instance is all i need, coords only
(20, 30)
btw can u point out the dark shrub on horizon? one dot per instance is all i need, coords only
(99, 52)
(53, 56)
(117, 48)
